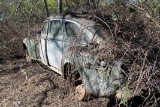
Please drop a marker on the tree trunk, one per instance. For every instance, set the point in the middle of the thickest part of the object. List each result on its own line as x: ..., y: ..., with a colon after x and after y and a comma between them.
x: 46, y: 6
x: 77, y: 2
x: 59, y: 6
x: 158, y: 2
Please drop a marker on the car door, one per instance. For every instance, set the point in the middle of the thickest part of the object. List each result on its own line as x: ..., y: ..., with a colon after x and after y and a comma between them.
x: 54, y: 45
x: 72, y: 30
x: 42, y: 43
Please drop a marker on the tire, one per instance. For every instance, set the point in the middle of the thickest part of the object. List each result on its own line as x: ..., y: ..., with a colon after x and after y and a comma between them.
x: 74, y: 80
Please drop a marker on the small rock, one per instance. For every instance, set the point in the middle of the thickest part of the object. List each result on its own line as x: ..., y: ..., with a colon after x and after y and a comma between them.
x: 119, y: 94
x: 1, y: 67
x: 24, y: 73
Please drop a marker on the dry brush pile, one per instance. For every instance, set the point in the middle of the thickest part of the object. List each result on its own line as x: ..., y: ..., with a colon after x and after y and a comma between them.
x: 134, y: 39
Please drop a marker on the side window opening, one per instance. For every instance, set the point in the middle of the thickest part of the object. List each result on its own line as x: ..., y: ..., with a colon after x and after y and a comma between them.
x: 56, y: 27
x: 72, y: 30
x: 89, y: 33
x: 44, y: 28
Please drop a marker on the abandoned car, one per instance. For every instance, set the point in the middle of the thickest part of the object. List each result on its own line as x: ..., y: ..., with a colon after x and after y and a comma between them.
x: 64, y: 44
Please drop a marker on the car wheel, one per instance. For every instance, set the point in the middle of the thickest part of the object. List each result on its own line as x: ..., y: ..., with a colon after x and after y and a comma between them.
x: 72, y: 76
x: 80, y: 92
x: 28, y: 58
x: 75, y: 80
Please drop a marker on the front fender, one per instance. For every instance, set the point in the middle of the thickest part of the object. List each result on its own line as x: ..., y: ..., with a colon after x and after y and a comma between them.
x: 31, y: 47
x: 101, y: 81
x: 98, y: 80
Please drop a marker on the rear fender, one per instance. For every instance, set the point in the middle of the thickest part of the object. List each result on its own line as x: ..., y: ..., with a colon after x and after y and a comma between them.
x: 31, y: 47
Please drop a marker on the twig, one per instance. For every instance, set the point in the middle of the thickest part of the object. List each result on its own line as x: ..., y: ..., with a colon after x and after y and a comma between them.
x: 19, y: 5
x: 147, y: 15
x: 141, y: 73
x: 105, y: 24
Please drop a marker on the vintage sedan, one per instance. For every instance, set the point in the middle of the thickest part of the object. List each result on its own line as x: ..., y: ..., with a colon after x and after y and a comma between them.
x: 64, y: 44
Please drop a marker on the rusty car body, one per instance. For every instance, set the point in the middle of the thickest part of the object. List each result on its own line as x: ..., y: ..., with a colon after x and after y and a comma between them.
x: 62, y: 45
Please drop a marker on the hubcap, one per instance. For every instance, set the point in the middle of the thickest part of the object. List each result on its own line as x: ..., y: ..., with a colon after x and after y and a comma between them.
x: 80, y: 92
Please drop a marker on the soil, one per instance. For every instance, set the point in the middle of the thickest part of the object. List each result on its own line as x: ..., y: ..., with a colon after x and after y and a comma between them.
x: 24, y: 84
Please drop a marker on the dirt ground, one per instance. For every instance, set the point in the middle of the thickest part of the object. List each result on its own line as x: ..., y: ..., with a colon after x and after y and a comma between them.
x: 23, y: 84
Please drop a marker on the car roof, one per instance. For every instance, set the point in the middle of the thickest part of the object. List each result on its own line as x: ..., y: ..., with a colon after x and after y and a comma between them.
x: 82, y: 21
